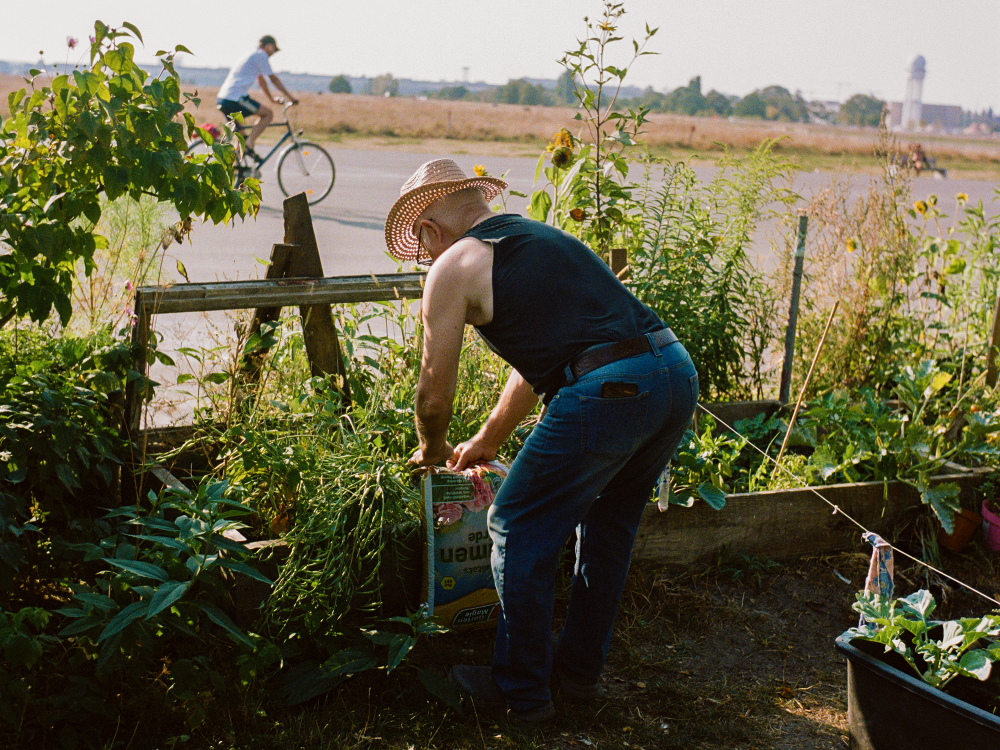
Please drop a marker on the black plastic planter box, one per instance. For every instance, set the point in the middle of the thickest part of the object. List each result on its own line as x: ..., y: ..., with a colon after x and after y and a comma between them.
x: 888, y: 709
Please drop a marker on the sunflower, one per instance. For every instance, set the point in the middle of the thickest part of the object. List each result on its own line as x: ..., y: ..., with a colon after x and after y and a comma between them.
x: 562, y: 139
x: 920, y: 207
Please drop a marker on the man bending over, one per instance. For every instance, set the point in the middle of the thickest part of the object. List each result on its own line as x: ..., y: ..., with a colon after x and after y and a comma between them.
x: 619, y: 388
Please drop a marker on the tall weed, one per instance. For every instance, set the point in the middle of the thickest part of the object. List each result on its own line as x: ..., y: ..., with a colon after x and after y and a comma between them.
x: 693, y: 268
x: 911, y: 285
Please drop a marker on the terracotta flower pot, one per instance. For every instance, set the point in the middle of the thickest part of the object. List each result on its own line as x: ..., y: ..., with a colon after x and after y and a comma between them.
x: 966, y: 523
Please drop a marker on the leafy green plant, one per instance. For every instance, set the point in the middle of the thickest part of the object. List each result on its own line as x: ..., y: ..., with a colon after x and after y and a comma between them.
x: 702, y: 467
x: 384, y: 646
x: 60, y: 448
x: 743, y: 567
x: 136, y: 231
x: 169, y: 580
x: 911, y: 440
x: 938, y: 651
x: 106, y: 131
x: 591, y: 195
x: 23, y: 643
x: 693, y: 268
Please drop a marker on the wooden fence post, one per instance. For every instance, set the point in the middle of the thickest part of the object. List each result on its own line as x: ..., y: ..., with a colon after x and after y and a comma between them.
x: 281, y: 257
x: 991, y: 354
x: 619, y: 262
x: 322, y: 343
x: 793, y: 310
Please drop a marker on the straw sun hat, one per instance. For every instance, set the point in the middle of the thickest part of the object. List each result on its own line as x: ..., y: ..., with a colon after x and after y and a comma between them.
x: 431, y: 181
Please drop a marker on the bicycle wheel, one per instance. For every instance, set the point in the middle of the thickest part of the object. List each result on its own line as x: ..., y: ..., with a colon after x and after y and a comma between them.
x: 306, y: 168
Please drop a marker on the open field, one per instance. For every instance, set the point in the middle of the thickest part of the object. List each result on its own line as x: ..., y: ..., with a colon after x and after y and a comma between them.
x: 394, y: 122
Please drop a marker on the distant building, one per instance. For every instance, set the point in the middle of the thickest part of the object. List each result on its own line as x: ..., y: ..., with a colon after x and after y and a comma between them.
x: 913, y: 114
x: 932, y: 117
x: 910, y: 116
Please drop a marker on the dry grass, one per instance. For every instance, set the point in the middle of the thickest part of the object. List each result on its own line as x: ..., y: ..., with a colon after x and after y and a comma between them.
x: 339, y: 115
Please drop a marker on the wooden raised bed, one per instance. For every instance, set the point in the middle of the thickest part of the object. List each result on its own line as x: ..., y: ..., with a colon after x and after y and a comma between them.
x: 783, y: 524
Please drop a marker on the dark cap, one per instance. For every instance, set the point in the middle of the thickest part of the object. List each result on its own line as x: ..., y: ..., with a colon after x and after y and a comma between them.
x: 268, y: 39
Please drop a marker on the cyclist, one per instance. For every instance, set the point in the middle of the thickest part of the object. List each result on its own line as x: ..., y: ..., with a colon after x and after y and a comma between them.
x: 234, y: 95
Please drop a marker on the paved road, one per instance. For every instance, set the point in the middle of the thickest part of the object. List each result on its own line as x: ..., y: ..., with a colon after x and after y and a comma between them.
x: 349, y: 222
x: 349, y: 226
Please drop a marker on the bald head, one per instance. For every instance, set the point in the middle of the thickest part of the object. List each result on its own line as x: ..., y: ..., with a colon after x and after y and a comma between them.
x: 457, y: 211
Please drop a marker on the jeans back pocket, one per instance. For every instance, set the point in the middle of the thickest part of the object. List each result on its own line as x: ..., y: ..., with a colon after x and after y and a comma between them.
x: 614, y: 426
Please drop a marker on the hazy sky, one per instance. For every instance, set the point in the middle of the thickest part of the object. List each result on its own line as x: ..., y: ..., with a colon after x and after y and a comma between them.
x: 826, y: 50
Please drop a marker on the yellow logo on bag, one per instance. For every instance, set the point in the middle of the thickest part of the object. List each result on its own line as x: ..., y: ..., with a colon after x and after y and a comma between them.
x: 448, y: 583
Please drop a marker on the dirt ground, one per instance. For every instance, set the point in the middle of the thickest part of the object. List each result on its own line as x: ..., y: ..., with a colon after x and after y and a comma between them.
x: 738, y: 657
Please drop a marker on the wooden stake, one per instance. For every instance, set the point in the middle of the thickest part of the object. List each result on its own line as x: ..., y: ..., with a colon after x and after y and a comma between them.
x: 802, y: 393
x: 991, y: 353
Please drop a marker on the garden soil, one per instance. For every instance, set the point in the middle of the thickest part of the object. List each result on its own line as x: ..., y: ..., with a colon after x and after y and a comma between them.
x: 738, y: 656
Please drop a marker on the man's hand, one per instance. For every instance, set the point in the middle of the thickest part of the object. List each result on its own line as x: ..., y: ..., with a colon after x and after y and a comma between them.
x: 470, y: 452
x: 419, y: 458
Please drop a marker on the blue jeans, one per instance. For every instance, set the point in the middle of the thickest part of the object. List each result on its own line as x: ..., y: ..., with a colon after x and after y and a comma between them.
x: 589, y: 466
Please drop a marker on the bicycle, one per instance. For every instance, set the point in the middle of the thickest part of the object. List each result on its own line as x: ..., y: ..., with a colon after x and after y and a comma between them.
x: 303, y: 166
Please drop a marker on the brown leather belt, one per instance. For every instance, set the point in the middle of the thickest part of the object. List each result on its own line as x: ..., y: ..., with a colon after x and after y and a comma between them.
x: 604, y: 354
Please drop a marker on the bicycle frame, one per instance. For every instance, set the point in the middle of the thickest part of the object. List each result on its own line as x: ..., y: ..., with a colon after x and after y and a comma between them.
x: 289, y: 135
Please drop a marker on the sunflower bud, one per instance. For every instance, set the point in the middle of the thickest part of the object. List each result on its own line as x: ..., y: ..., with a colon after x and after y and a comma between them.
x: 562, y: 156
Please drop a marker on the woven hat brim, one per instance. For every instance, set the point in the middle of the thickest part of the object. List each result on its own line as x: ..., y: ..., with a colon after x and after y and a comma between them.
x: 399, y: 237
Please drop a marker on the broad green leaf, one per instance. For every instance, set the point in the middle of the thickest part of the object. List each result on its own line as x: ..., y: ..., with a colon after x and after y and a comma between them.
x: 140, y: 568
x: 133, y: 29
x: 240, y: 567
x: 712, y: 495
x: 79, y: 626
x: 956, y: 265
x: 976, y: 664
x: 541, y: 204
x: 98, y: 601
x: 350, y: 661
x: 166, y: 594
x: 221, y: 619
x: 22, y: 651
x: 399, y: 647
x: 123, y: 619
x: 438, y: 686
x: 939, y: 381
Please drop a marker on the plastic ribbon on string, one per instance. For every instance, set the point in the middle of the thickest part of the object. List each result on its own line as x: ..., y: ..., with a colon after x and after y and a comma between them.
x: 880, y: 569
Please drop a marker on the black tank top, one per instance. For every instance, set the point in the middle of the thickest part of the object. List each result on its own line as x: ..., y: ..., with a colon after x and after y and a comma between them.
x: 552, y: 298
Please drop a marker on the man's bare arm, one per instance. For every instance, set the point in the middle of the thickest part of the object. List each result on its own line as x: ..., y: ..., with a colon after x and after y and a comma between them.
x: 515, y: 403
x: 444, y: 313
x: 281, y: 87
x: 262, y: 82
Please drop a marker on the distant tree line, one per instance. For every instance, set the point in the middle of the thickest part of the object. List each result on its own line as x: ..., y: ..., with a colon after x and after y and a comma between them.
x: 771, y: 103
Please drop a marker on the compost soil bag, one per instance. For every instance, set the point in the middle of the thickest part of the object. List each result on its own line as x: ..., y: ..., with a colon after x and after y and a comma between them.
x: 457, y: 585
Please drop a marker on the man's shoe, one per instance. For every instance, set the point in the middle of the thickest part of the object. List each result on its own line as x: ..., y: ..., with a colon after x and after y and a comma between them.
x: 477, y: 683
x: 580, y: 691
x: 249, y: 152
x: 571, y: 689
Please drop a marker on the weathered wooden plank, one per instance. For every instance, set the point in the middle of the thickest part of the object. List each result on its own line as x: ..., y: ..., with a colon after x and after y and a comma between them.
x: 780, y: 524
x: 239, y: 295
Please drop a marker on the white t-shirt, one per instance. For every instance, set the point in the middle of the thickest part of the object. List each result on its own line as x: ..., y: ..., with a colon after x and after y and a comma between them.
x: 243, y: 75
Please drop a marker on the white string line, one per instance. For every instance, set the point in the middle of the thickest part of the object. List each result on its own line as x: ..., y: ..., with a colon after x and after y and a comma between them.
x: 837, y: 509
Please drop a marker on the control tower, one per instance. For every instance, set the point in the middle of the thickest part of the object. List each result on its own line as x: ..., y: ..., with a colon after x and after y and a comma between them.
x: 910, y: 119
